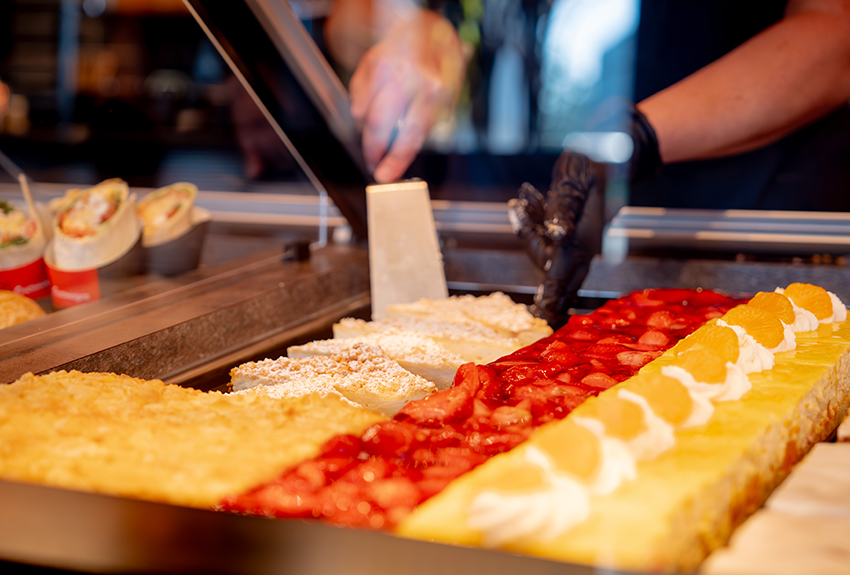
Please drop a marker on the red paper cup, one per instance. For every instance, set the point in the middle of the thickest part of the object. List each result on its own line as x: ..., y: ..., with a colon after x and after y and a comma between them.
x: 29, y: 280
x: 72, y: 288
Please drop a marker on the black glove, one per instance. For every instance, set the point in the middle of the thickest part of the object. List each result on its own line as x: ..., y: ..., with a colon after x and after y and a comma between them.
x: 563, y: 230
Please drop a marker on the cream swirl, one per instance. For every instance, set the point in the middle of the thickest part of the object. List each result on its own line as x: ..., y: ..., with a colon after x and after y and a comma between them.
x: 658, y: 436
x: 734, y: 387
x: 839, y: 310
x: 618, y: 462
x: 702, y: 411
x: 789, y: 340
x: 538, y: 515
x: 752, y: 356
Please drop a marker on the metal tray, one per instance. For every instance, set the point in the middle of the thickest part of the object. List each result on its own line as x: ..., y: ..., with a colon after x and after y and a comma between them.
x: 85, y: 532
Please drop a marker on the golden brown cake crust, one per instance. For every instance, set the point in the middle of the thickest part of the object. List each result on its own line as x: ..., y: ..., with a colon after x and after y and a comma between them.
x: 143, y: 439
x: 16, y: 308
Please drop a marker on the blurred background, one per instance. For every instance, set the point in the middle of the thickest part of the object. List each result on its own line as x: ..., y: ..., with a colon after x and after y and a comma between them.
x: 133, y: 89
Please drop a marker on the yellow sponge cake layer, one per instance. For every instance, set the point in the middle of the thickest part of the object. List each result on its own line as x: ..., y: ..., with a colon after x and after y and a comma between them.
x: 129, y: 437
x: 686, y: 501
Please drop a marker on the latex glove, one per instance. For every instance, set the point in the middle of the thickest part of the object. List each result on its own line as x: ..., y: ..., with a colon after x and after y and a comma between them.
x: 563, y: 230
x: 401, y: 87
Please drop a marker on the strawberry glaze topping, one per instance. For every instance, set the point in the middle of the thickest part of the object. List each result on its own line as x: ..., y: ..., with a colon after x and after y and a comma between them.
x: 377, y: 478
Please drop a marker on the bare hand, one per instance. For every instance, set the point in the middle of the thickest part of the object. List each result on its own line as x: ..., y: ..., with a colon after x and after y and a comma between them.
x: 402, y: 86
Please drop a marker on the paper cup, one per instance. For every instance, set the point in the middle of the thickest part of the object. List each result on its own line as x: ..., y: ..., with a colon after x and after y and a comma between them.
x: 70, y: 287
x: 182, y: 253
x: 29, y: 279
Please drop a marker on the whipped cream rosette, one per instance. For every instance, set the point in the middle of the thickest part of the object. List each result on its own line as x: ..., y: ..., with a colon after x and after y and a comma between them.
x: 167, y: 213
x: 94, y: 226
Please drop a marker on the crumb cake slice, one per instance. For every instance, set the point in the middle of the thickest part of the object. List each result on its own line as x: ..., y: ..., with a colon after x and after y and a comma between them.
x: 471, y: 341
x: 129, y: 437
x: 417, y: 354
x: 362, y: 375
x: 496, y: 311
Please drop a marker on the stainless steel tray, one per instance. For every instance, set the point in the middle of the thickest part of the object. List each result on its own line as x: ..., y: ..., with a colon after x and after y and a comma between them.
x: 97, y: 533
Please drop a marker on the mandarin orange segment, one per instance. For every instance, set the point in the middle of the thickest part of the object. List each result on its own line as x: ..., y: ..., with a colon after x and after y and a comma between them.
x: 703, y: 363
x: 762, y: 326
x: 622, y: 419
x: 522, y: 479
x: 667, y: 397
x: 775, y: 303
x: 573, y: 448
x: 811, y: 297
x: 719, y: 338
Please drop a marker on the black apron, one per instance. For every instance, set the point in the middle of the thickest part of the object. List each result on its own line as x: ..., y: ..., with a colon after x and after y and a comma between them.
x: 807, y: 170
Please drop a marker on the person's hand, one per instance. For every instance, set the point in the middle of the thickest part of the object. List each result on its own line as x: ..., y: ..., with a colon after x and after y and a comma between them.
x: 562, y: 230
x: 402, y: 87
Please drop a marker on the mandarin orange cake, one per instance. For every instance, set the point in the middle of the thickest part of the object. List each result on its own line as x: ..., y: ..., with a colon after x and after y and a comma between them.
x: 604, y: 444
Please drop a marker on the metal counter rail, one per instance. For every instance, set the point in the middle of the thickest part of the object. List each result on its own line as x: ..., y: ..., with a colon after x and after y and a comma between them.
x: 162, y: 329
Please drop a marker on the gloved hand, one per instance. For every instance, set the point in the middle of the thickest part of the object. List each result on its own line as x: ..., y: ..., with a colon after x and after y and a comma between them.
x: 563, y: 230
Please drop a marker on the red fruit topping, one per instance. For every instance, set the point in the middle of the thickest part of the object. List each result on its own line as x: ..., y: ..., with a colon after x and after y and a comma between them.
x: 637, y: 358
x: 582, y: 335
x: 654, y: 338
x: 660, y: 319
x: 600, y: 380
x: 376, y: 479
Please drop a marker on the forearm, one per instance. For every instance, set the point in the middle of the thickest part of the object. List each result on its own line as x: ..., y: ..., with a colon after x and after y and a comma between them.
x: 784, y: 78
x: 354, y: 26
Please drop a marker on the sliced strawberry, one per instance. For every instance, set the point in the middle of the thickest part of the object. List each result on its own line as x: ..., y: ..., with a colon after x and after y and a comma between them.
x: 599, y: 366
x: 660, y: 319
x: 646, y: 298
x: 509, y: 415
x: 637, y: 359
x: 581, y: 320
x: 444, y: 406
x: 368, y: 471
x: 582, y: 335
x: 311, y: 472
x: 393, y: 492
x: 389, y: 438
x: 653, y: 337
x: 599, y: 380
x: 603, y: 350
x: 618, y: 338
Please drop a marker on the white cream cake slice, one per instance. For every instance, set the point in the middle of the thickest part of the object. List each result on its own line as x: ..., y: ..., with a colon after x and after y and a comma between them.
x: 471, y: 341
x: 362, y: 375
x: 496, y: 311
x: 417, y: 354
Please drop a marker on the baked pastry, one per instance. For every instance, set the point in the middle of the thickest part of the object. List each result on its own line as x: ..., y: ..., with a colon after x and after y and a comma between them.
x: 16, y: 227
x: 361, y: 375
x: 16, y: 308
x: 166, y: 213
x: 665, y: 481
x: 496, y: 311
x: 93, y: 226
x: 142, y: 439
x: 417, y: 354
x: 471, y: 341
